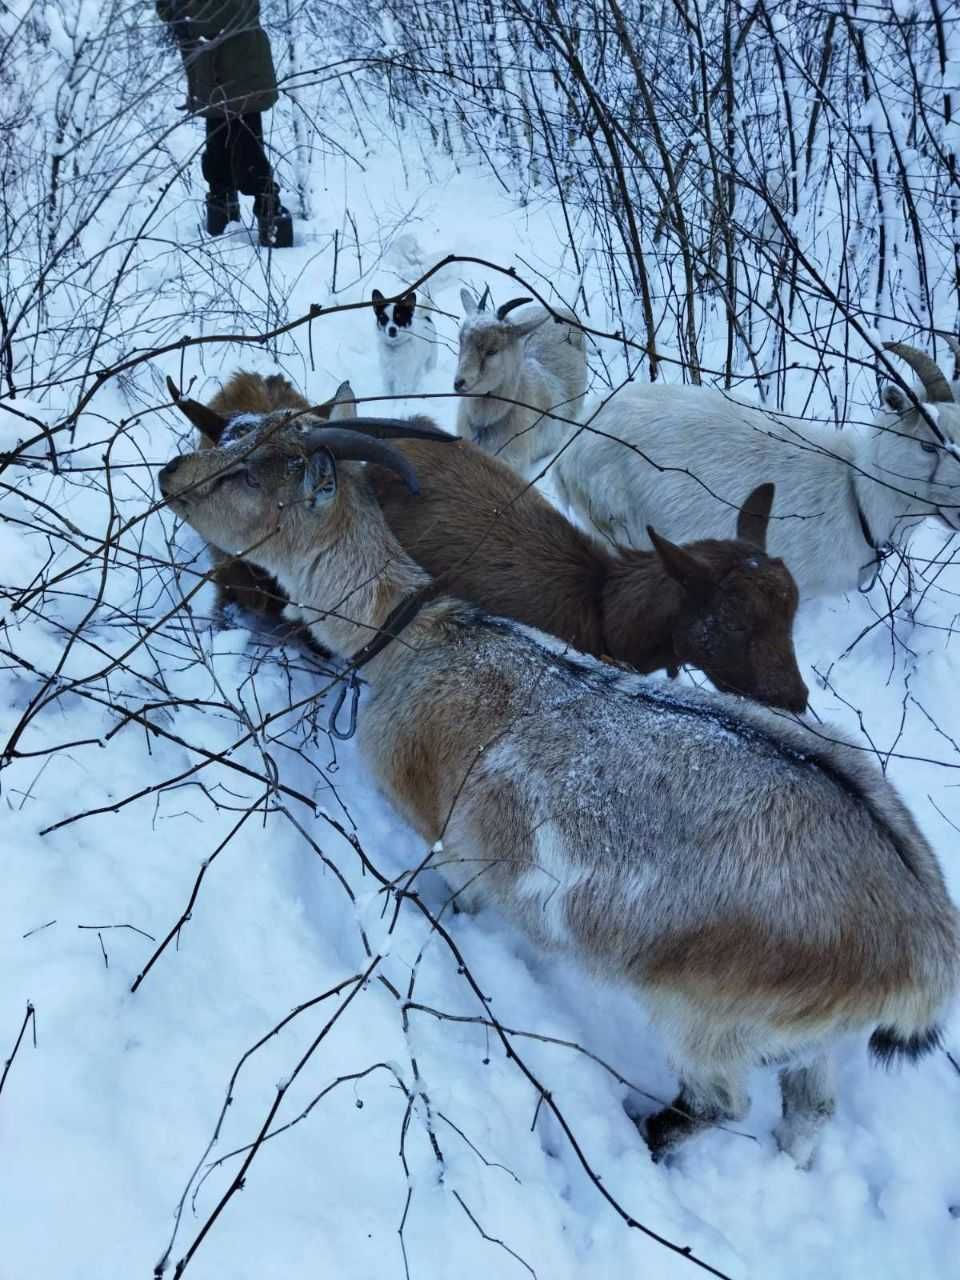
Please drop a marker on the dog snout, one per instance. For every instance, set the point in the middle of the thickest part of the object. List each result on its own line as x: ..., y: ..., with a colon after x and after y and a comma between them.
x: 392, y: 331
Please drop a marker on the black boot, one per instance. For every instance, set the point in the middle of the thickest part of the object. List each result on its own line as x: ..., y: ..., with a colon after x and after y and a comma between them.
x: 274, y: 221
x: 222, y: 207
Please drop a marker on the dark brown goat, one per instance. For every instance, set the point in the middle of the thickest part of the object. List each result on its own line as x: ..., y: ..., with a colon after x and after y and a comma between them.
x: 721, y: 605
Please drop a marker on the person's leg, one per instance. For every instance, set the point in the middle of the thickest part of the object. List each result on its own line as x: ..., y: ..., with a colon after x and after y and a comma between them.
x: 254, y: 177
x: 215, y: 164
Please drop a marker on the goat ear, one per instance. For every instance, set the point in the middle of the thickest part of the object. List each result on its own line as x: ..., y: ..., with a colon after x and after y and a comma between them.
x: 682, y: 565
x: 754, y: 516
x: 319, y: 478
x: 206, y: 420
x: 895, y: 398
x: 522, y: 328
x: 468, y: 302
x: 343, y: 405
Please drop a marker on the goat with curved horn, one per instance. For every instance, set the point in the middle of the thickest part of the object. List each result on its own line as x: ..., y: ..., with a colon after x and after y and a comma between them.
x: 935, y: 385
x: 761, y: 888
x: 504, y: 310
x: 522, y: 380
x: 843, y: 498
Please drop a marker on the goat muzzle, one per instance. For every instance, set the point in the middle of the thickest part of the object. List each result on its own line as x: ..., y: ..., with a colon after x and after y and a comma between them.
x: 166, y: 473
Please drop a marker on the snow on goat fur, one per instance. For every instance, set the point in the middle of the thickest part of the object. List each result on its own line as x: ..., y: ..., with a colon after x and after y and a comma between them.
x: 535, y: 360
x: 611, y: 819
x: 704, y: 447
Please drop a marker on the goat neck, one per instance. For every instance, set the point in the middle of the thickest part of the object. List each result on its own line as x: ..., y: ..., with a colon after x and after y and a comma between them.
x: 348, y: 585
x: 639, y: 604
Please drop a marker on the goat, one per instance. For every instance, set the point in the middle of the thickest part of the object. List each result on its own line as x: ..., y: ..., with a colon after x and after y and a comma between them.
x: 845, y: 497
x: 246, y: 396
x: 763, y: 888
x: 723, y: 606
x: 540, y: 365
x: 488, y: 537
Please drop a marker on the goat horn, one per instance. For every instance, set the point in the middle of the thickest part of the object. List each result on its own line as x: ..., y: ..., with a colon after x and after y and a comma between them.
x: 352, y: 446
x: 202, y: 416
x: 484, y: 297
x: 507, y: 307
x: 935, y: 384
x: 400, y: 429
x: 954, y: 346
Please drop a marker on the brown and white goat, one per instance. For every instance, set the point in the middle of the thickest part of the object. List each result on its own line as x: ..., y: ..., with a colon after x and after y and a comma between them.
x: 721, y: 605
x: 245, y: 397
x: 764, y: 889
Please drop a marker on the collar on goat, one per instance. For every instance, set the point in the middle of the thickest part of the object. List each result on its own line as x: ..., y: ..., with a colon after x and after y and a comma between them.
x: 870, y: 571
x: 396, y: 621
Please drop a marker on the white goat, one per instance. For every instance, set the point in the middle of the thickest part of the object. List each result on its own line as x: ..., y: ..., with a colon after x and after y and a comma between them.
x: 537, y: 361
x: 764, y: 888
x: 677, y: 457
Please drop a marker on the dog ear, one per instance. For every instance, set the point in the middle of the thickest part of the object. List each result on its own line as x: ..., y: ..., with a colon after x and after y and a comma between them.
x: 378, y: 302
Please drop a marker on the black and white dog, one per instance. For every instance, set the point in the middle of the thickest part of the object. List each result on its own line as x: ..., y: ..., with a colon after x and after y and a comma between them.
x: 407, y: 341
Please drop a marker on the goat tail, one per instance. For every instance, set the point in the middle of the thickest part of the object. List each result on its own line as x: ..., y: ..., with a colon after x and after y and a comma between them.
x: 908, y: 1027
x: 889, y: 1045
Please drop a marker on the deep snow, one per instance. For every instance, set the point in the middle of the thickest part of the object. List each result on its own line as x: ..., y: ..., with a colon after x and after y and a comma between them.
x: 103, y: 1122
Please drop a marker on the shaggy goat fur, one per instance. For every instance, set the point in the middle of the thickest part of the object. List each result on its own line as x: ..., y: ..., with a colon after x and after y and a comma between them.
x: 762, y: 887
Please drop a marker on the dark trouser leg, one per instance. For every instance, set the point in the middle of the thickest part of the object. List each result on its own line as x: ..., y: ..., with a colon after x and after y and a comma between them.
x: 215, y: 161
x: 249, y: 164
x: 254, y: 177
x: 217, y: 168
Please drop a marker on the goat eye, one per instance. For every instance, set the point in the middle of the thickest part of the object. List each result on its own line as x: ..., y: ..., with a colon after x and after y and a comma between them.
x: 251, y: 480
x: 928, y: 448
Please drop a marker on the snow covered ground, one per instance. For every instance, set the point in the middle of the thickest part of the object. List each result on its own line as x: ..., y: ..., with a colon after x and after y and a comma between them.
x: 417, y: 1146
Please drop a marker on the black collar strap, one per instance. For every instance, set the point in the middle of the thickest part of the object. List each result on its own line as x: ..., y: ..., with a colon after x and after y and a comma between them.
x: 864, y: 525
x: 870, y: 571
x: 397, y: 620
